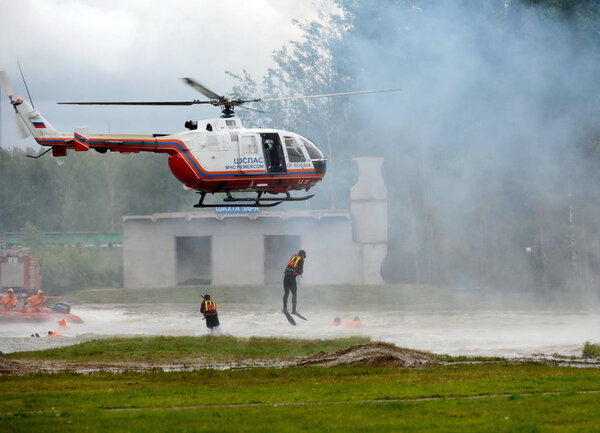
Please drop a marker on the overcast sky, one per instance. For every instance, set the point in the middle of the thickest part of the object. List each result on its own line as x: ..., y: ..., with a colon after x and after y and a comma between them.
x: 135, y: 50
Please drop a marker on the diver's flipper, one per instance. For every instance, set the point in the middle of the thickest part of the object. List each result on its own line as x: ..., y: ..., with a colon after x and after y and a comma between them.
x: 289, y: 317
x: 295, y: 313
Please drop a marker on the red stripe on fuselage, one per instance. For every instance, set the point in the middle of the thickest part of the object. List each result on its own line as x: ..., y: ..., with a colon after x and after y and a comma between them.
x: 167, y: 146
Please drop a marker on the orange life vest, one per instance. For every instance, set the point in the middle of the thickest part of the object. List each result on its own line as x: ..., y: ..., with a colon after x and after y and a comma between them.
x: 293, y: 264
x: 35, y: 301
x: 210, y: 307
x: 354, y: 324
x: 9, y: 301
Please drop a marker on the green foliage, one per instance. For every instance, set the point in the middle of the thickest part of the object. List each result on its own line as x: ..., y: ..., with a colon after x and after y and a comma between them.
x: 65, y: 269
x: 591, y: 350
x: 33, y: 237
x: 85, y: 191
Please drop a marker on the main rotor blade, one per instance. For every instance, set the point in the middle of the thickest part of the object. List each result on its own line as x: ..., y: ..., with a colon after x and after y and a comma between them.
x: 137, y: 103
x: 252, y: 109
x: 326, y: 95
x: 201, y: 88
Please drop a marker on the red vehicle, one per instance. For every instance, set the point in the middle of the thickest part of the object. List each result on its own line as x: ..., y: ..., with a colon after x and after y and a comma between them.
x: 20, y: 270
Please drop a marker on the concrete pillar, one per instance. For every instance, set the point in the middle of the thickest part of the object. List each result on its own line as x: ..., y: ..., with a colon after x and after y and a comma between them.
x: 369, y: 217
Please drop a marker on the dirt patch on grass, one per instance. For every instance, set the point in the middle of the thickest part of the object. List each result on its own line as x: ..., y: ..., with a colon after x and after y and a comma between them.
x: 372, y: 354
x: 8, y: 366
x: 27, y: 366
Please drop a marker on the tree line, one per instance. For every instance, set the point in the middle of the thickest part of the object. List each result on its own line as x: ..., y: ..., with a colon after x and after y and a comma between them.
x: 85, y: 191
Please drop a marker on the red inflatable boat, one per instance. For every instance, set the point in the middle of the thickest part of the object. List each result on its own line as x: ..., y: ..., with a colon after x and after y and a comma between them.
x: 60, y: 311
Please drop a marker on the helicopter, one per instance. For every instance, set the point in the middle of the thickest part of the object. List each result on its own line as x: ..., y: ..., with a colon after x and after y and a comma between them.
x: 211, y: 156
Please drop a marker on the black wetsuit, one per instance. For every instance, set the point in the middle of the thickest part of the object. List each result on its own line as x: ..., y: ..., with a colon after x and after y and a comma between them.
x: 294, y: 268
x: 209, y: 309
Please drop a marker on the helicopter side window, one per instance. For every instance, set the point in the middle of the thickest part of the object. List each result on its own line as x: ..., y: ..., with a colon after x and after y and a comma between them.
x: 313, y: 151
x: 294, y: 150
x: 249, y: 144
x: 212, y: 140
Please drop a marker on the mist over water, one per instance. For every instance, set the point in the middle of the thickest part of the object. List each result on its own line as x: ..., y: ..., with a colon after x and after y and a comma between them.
x: 455, y: 332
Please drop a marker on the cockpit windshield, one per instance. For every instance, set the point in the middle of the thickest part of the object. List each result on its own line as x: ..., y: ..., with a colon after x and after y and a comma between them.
x: 313, y: 151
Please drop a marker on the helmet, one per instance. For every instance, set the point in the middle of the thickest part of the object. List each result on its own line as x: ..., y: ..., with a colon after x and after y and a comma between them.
x: 10, y: 290
x: 40, y: 292
x: 302, y: 253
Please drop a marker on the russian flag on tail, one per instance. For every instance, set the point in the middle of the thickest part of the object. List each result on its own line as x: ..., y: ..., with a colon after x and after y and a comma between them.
x: 39, y: 125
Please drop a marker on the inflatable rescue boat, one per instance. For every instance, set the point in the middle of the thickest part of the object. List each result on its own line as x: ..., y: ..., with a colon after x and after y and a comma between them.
x: 61, y: 310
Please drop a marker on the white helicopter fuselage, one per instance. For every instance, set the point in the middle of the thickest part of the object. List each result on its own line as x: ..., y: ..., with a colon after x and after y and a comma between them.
x: 215, y: 155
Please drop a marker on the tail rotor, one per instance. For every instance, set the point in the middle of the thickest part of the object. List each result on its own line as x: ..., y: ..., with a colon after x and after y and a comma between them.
x: 8, y: 90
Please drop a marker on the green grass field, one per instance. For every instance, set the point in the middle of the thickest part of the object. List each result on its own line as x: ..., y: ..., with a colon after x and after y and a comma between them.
x: 161, y: 349
x: 384, y: 297
x: 497, y: 396
x: 396, y: 295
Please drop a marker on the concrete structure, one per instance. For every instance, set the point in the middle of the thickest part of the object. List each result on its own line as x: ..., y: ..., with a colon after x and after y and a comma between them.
x: 251, y: 248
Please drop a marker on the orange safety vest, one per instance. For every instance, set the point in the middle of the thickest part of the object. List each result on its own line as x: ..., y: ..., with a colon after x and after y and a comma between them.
x: 35, y: 301
x: 9, y: 301
x: 293, y: 263
x: 354, y: 324
x: 210, y: 307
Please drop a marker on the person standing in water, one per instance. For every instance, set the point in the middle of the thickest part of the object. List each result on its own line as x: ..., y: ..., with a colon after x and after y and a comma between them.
x: 208, y: 308
x: 294, y: 268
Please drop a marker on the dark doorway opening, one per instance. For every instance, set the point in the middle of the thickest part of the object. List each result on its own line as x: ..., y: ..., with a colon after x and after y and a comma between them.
x: 194, y: 260
x: 273, y: 151
x: 278, y: 250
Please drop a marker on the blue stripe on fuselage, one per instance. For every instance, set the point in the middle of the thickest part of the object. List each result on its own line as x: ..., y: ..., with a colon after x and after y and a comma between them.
x: 185, y: 153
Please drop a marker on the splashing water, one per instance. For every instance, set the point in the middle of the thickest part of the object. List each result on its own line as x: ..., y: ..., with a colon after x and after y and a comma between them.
x: 485, y: 332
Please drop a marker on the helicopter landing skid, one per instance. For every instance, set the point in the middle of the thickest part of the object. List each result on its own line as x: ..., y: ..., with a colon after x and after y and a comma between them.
x: 258, y: 201
x: 233, y: 201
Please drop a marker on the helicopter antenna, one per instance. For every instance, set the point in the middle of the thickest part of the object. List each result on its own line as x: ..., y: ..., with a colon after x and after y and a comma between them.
x: 26, y: 88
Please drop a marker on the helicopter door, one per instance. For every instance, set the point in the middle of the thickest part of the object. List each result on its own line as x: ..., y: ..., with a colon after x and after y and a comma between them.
x: 273, y: 151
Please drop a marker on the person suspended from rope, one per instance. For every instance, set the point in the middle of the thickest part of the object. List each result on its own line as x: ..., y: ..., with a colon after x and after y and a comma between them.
x: 208, y: 308
x: 295, y: 267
